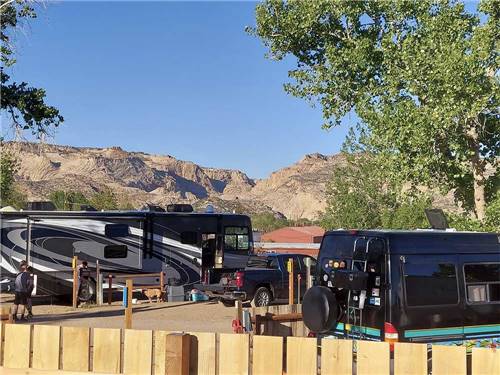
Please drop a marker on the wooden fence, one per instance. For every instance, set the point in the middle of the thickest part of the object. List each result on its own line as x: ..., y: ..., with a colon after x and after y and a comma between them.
x: 279, y: 328
x: 127, y: 351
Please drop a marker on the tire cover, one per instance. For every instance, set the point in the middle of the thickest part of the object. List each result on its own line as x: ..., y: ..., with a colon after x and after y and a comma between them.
x: 319, y: 309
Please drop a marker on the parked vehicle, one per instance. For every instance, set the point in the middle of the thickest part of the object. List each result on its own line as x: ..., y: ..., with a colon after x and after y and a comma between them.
x: 183, y: 244
x: 414, y: 286
x: 265, y: 279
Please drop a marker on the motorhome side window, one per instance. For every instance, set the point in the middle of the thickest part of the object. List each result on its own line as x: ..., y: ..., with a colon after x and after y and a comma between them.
x: 428, y: 284
x: 115, y: 251
x: 236, y: 238
x: 482, y: 282
x: 116, y: 230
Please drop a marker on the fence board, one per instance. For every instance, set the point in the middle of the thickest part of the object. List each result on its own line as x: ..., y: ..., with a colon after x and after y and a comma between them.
x: 336, y: 357
x: 373, y: 358
x: 2, y: 333
x: 301, y: 356
x: 75, y: 348
x: 17, y: 346
x: 137, y: 351
x: 160, y: 349
x: 202, y: 356
x: 410, y: 359
x: 449, y: 360
x: 267, y: 356
x: 106, y: 356
x: 46, y: 340
x: 233, y: 354
x: 485, y: 361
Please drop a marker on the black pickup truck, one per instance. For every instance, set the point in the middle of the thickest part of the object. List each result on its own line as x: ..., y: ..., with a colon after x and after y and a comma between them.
x: 262, y: 281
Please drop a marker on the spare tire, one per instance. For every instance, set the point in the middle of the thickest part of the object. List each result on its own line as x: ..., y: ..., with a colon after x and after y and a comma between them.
x: 320, y: 309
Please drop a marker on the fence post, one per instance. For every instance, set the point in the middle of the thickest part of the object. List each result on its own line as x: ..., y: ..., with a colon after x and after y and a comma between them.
x: 290, y: 282
x: 110, y: 289
x: 98, y: 282
x: 307, y: 262
x: 128, y: 308
x: 162, y: 283
x: 299, y: 278
x: 177, y: 353
x: 75, y: 282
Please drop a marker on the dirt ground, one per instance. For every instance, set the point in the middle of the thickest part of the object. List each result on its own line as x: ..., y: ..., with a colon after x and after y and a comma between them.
x: 209, y: 316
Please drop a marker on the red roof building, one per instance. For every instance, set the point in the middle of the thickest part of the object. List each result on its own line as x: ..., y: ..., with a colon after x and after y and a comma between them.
x: 301, y: 240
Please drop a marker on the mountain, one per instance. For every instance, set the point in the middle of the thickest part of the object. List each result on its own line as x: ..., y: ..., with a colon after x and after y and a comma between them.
x: 297, y: 191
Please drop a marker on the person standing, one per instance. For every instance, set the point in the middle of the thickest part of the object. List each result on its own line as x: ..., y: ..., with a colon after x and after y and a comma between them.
x: 22, y: 285
x: 29, y: 304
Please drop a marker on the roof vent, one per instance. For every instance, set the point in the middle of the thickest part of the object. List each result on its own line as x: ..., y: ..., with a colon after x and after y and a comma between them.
x: 436, y: 218
x: 179, y: 208
x: 152, y: 208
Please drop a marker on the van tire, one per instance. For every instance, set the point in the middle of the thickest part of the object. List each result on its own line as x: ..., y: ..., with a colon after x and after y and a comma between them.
x: 262, y: 297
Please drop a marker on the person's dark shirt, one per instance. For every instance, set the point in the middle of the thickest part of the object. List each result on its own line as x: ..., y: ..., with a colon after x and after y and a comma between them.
x: 23, y: 282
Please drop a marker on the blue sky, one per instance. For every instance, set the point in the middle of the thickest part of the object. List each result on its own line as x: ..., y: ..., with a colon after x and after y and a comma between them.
x: 182, y: 79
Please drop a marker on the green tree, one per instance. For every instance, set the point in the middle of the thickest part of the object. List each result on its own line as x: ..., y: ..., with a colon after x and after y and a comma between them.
x: 361, y: 195
x: 421, y: 75
x: 68, y: 200
x: 268, y: 221
x: 23, y: 104
x: 104, y: 200
x: 10, y: 195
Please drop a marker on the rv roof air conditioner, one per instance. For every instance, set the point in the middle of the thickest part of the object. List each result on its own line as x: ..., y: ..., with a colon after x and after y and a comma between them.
x: 152, y: 208
x: 179, y: 208
x: 40, y: 206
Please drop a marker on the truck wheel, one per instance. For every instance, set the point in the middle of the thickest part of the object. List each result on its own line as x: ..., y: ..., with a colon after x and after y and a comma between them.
x: 262, y: 297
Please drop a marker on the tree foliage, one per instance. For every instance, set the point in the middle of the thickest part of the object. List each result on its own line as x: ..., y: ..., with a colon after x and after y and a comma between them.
x: 421, y: 75
x: 104, y: 200
x: 269, y: 221
x: 361, y: 196
x: 24, y: 105
x: 10, y: 195
x: 68, y: 200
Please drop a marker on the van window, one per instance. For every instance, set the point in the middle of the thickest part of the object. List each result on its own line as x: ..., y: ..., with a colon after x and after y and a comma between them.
x: 116, y: 230
x: 429, y: 284
x: 482, y: 282
x: 189, y: 238
x: 236, y: 238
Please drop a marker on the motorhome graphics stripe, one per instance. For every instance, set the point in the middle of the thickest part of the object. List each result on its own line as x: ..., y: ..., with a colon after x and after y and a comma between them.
x: 490, y: 328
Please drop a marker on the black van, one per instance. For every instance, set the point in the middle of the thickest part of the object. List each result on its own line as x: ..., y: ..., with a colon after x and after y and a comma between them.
x: 410, y: 286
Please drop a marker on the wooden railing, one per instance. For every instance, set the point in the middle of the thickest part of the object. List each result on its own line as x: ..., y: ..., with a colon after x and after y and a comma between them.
x: 112, y: 351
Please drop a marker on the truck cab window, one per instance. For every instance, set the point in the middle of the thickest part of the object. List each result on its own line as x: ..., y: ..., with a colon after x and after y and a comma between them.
x: 482, y: 282
x: 428, y: 284
x: 236, y: 238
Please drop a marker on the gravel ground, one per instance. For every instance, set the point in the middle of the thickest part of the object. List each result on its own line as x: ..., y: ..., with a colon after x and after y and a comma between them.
x: 209, y: 316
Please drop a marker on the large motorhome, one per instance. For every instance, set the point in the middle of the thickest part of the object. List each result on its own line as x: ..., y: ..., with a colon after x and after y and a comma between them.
x: 184, y: 245
x: 414, y: 286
